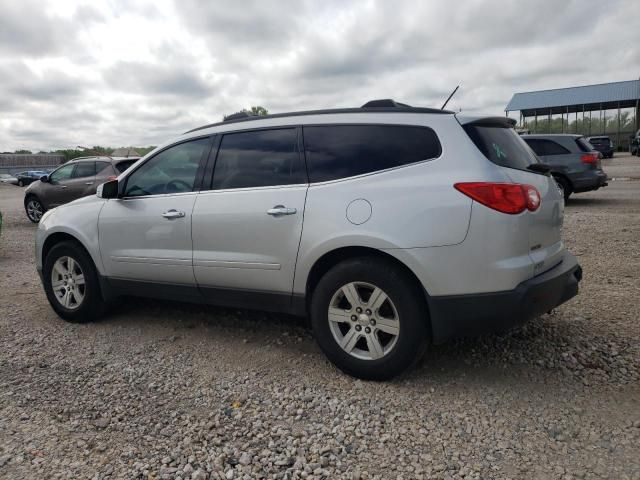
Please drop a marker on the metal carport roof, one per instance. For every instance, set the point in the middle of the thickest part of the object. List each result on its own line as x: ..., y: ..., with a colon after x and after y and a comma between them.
x: 588, y: 97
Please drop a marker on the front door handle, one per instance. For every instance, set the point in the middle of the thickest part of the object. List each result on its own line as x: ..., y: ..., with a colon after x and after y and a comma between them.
x: 88, y: 183
x: 63, y: 186
x: 280, y: 210
x: 171, y: 214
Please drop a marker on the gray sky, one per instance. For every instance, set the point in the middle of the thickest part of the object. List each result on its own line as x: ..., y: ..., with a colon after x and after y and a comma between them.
x: 124, y: 72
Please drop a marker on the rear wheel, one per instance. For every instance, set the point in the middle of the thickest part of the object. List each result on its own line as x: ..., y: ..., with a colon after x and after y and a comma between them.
x: 564, y: 186
x: 34, y: 208
x: 370, y: 318
x: 71, y: 283
x: 20, y: 183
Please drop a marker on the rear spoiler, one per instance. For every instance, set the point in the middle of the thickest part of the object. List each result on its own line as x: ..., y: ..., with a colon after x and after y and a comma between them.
x: 502, y: 122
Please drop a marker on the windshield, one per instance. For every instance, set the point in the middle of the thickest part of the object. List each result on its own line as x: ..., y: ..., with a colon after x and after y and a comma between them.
x: 599, y: 141
x: 503, y: 146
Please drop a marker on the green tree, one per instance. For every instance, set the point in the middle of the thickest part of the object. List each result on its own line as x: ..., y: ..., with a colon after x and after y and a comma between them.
x: 259, y: 110
x: 23, y: 151
x: 255, y: 110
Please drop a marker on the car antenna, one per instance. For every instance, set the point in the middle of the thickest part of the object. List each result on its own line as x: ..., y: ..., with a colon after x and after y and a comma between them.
x: 452, y: 94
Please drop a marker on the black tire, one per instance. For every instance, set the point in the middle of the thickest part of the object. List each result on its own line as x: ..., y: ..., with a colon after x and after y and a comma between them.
x: 565, y: 187
x: 30, y: 211
x: 20, y: 183
x: 92, y: 306
x: 408, y: 299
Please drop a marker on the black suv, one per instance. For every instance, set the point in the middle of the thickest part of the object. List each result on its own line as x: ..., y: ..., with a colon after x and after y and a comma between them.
x: 602, y: 144
x: 634, y: 144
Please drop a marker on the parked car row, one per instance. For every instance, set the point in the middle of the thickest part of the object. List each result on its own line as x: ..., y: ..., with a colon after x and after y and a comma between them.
x: 391, y: 227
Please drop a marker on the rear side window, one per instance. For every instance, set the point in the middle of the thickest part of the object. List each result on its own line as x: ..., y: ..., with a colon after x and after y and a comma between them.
x: 340, y: 151
x: 122, y: 166
x: 584, y: 145
x: 100, y: 166
x: 84, y: 169
x: 259, y: 158
x: 545, y: 147
x: 503, y: 146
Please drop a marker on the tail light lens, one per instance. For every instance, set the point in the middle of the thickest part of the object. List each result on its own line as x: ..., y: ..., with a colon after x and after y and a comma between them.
x: 511, y: 198
x: 112, y: 177
x: 590, y: 158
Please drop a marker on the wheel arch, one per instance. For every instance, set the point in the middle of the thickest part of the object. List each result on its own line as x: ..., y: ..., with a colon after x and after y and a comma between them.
x: 564, y: 177
x: 329, y: 259
x: 59, y: 237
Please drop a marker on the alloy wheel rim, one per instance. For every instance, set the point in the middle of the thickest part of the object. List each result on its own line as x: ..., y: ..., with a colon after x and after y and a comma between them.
x: 363, y: 321
x: 68, y: 283
x: 34, y: 210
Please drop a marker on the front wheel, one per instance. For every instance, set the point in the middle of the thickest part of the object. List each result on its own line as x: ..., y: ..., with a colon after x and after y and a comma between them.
x: 370, y: 318
x: 71, y: 283
x: 34, y: 209
x: 20, y: 183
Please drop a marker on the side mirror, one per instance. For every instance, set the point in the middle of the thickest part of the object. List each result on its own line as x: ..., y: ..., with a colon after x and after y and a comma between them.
x: 44, y: 178
x: 108, y: 189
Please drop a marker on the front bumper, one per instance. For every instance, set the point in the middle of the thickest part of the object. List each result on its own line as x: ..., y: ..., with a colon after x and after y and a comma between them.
x: 469, y: 315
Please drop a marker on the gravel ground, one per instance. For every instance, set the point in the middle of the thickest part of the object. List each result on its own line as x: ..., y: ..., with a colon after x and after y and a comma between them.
x: 166, y: 390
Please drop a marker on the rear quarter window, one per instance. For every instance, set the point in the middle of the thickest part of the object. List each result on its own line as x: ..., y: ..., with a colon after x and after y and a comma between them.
x: 502, y: 146
x: 583, y: 145
x: 341, y: 151
x: 122, y: 166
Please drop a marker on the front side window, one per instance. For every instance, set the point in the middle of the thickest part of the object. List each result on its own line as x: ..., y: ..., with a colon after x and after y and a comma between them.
x: 63, y: 173
x: 340, y: 151
x: 173, y: 170
x: 84, y: 169
x: 258, y: 158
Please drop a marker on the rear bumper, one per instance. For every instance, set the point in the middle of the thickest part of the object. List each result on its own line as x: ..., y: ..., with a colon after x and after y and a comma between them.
x: 469, y: 315
x: 591, y: 181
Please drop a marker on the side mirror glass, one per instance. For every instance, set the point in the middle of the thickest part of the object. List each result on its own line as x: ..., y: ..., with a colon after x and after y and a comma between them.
x: 108, y: 189
x: 44, y: 178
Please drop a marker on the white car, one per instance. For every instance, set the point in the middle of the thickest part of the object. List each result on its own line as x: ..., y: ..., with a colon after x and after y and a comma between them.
x: 389, y: 226
x: 8, y: 178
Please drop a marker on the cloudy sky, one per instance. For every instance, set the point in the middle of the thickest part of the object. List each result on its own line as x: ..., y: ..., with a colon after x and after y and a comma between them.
x: 125, y: 72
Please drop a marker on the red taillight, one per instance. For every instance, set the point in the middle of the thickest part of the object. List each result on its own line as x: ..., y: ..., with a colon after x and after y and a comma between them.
x: 590, y: 158
x: 112, y: 177
x: 511, y: 198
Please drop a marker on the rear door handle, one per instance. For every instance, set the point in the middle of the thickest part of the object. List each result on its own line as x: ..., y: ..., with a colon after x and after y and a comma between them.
x: 280, y: 210
x: 170, y: 214
x: 88, y: 183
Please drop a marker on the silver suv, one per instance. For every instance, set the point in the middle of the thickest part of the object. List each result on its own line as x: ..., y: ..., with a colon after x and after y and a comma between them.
x: 389, y: 226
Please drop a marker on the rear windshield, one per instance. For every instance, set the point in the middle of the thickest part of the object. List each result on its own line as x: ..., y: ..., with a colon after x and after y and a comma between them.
x: 503, y: 146
x: 599, y: 141
x: 584, y: 145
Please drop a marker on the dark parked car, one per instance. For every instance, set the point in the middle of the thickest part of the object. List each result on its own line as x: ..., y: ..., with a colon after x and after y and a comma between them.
x: 602, y: 144
x: 29, y: 176
x: 574, y: 163
x: 634, y: 144
x: 75, y: 179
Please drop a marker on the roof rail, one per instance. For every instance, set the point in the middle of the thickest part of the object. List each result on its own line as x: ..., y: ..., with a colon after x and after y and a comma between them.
x: 389, y: 106
x: 386, y: 102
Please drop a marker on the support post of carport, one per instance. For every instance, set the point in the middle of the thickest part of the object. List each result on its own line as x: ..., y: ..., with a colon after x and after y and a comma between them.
x: 618, y: 134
